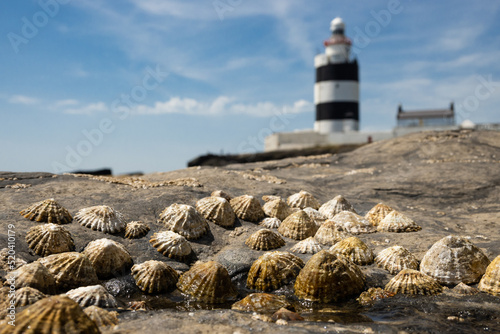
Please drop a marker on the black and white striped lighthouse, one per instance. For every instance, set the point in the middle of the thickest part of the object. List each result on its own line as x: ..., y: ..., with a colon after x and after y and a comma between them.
x: 336, y: 91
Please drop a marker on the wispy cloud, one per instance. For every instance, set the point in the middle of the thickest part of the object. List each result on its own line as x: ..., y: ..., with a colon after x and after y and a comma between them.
x: 88, y: 109
x: 23, y: 99
x: 222, y: 105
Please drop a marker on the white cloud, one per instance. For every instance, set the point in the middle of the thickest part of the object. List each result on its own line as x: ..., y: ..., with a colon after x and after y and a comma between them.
x: 23, y: 99
x: 88, y: 109
x: 220, y: 106
x: 65, y: 103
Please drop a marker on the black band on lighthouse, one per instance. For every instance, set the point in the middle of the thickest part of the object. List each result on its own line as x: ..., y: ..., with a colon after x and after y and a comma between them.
x: 337, y: 111
x: 341, y: 71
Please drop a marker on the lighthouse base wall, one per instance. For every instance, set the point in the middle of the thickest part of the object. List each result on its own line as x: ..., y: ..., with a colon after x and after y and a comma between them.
x: 329, y: 126
x: 310, y: 138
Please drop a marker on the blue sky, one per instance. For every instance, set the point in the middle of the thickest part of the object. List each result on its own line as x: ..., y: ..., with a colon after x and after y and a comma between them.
x: 146, y: 85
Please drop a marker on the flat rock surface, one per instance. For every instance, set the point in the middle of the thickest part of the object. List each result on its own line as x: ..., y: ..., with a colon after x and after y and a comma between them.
x: 447, y: 182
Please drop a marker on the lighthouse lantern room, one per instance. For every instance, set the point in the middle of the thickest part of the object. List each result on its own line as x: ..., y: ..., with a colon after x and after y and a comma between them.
x: 336, y: 91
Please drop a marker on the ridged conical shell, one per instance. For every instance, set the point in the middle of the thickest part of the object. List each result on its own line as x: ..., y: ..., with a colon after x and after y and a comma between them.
x: 101, y: 218
x: 53, y: 315
x: 328, y: 234
x: 298, y: 226
x: 490, y: 282
x: 377, y: 213
x: 277, y: 208
x: 334, y: 206
x: 217, y: 210
x: 396, y: 258
x: 47, y: 211
x: 307, y: 246
x: 92, y: 295
x: 316, y: 216
x: 49, y: 239
x: 101, y: 317
x: 355, y: 250
x: 248, y: 208
x: 273, y: 270
x: 367, y: 298
x: 328, y: 277
x: 353, y: 223
x: 465, y: 290
x: 395, y: 221
x: 70, y: 269
x: 171, y: 244
x: 261, y: 303
x: 221, y: 193
x: 270, y: 222
x: 109, y: 258
x: 184, y: 220
x: 413, y: 282
x: 454, y: 259
x: 34, y: 275
x: 154, y: 276
x: 207, y: 282
x: 302, y: 200
x: 136, y: 229
x: 6, y: 262
x: 27, y: 296
x: 265, y: 240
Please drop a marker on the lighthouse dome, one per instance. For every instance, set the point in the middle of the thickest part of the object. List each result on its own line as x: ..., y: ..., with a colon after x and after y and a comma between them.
x: 337, y: 25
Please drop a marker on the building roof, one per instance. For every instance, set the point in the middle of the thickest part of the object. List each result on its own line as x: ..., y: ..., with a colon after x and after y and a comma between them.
x: 430, y: 113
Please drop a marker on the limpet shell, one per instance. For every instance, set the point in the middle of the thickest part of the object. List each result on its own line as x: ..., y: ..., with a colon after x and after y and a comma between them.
x: 368, y: 298
x: 221, y: 193
x: 216, y: 209
x: 184, y: 220
x: 277, y: 208
x: 101, y: 317
x: 302, y: 200
x: 328, y: 277
x: 109, y: 258
x: 27, y: 296
x: 207, y: 282
x: 248, y: 208
x: 306, y: 246
x: 136, y: 229
x: 53, y: 315
x: 284, y: 315
x: 171, y: 244
x: 377, y: 213
x: 264, y: 240
x: 154, y: 276
x: 395, y: 221
x: 34, y: 275
x: 92, y: 295
x: 273, y: 270
x: 47, y: 211
x: 6, y: 260
x: 334, y: 206
x: 396, y: 258
x: 270, y: 222
x: 101, y: 218
x: 70, y: 269
x: 454, y: 259
x: 315, y: 215
x: 298, y: 226
x: 355, y: 250
x: 490, y: 282
x: 465, y: 290
x: 49, y: 239
x: 353, y: 223
x: 328, y: 234
x: 413, y: 282
x: 261, y: 302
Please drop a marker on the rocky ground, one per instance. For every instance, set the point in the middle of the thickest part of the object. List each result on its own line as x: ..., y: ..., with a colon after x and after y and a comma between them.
x: 448, y: 182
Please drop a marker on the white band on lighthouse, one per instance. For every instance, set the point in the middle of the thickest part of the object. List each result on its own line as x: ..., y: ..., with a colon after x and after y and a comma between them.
x: 331, y: 91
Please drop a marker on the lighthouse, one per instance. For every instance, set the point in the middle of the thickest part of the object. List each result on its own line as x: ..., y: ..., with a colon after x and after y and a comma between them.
x: 336, y: 91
